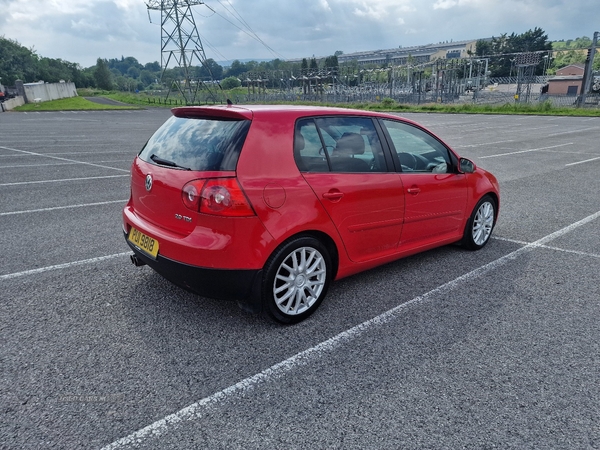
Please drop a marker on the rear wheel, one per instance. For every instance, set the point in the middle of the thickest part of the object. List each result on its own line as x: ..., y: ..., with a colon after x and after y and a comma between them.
x: 296, y: 279
x: 480, y: 225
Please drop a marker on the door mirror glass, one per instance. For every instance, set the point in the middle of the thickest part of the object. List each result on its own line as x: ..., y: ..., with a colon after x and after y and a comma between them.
x: 466, y: 165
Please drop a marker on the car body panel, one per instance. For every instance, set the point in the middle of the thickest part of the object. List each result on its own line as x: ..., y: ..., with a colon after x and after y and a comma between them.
x: 366, y: 208
x: 161, y: 204
x: 435, y: 206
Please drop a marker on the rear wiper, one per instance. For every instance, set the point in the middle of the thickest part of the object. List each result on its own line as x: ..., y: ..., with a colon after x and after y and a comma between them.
x: 166, y: 162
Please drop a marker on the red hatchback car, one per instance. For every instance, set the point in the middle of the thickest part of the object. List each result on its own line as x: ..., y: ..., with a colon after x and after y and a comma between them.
x: 268, y: 204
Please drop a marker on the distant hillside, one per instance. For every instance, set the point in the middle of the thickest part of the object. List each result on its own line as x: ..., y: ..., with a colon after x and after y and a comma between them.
x: 227, y: 64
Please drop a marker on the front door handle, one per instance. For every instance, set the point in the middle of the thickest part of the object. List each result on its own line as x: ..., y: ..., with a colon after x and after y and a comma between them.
x: 413, y: 190
x: 334, y: 196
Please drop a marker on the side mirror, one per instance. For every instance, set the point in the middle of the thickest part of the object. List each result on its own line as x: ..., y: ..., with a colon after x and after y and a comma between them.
x: 466, y: 166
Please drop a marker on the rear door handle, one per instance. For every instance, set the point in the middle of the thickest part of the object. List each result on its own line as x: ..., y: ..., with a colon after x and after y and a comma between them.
x: 413, y: 190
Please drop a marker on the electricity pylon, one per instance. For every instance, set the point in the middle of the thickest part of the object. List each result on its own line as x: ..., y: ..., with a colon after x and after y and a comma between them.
x: 180, y: 43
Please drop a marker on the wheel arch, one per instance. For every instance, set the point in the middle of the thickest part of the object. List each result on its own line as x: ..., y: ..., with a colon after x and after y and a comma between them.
x: 467, y: 240
x: 322, y: 237
x: 496, y: 199
x: 296, y: 303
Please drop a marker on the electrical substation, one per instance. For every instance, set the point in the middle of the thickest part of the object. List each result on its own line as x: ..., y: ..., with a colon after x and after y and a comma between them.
x: 447, y: 72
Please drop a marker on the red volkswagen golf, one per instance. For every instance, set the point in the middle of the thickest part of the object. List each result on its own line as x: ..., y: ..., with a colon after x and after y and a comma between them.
x: 268, y: 204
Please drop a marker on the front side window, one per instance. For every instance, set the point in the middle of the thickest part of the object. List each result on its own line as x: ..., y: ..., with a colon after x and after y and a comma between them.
x: 338, y: 144
x: 197, y: 144
x: 417, y: 150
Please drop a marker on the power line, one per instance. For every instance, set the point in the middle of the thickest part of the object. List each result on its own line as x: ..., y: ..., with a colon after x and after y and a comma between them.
x: 213, y: 48
x: 252, y: 34
x: 243, y: 22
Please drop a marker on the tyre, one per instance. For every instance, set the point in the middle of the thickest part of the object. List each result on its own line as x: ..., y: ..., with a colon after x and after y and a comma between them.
x: 296, y: 279
x: 480, y: 225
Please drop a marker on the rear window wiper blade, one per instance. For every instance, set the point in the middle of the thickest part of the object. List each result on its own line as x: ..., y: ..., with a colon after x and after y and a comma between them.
x: 166, y: 162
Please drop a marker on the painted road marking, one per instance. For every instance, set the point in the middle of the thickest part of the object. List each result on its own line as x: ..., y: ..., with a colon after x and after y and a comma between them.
x: 54, y: 208
x: 582, y: 162
x: 62, y: 266
x: 526, y: 151
x: 196, y: 410
x: 63, y: 159
x: 18, y: 183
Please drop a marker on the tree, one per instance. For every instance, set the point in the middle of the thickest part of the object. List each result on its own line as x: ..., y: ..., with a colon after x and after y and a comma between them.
x: 147, y: 77
x: 20, y: 63
x: 209, y: 70
x: 482, y: 48
x: 102, y: 75
x: 153, y: 66
x: 230, y: 83
x: 236, y: 69
x: 582, y: 42
x: 121, y: 83
x: 251, y: 66
x: 17, y: 62
x: 133, y: 72
x: 332, y: 62
x: 54, y: 70
x: 278, y: 64
x: 501, y: 49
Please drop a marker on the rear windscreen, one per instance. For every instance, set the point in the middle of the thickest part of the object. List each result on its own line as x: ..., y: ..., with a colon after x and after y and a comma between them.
x: 197, y: 144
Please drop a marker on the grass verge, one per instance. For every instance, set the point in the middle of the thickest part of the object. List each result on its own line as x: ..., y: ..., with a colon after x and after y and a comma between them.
x: 388, y: 105
x: 69, y: 104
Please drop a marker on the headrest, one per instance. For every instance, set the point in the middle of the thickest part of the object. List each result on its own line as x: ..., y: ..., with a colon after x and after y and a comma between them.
x: 351, y: 144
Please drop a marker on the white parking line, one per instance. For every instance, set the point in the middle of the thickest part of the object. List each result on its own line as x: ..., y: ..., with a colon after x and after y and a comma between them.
x: 63, y: 153
x: 562, y: 133
x: 582, y: 162
x: 54, y: 208
x: 482, y: 144
x: 20, y: 166
x: 196, y: 410
x: 25, y: 273
x: 526, y: 151
x: 18, y: 183
x: 549, y: 247
x: 63, y: 159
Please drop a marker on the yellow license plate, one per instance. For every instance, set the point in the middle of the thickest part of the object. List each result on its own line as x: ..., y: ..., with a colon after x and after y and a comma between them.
x: 143, y: 242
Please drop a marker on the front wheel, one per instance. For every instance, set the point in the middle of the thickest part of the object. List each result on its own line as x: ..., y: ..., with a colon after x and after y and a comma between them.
x: 296, y: 279
x: 480, y: 225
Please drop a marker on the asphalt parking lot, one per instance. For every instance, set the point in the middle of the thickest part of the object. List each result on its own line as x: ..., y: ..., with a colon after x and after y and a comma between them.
x: 447, y: 349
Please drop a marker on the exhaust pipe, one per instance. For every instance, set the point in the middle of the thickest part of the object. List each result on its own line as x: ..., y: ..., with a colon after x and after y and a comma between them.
x: 136, y: 261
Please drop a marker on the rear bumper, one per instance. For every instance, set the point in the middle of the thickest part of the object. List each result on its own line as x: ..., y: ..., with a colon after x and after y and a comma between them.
x: 244, y: 286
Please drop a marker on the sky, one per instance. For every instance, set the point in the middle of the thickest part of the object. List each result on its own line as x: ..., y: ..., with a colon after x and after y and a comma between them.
x: 81, y: 31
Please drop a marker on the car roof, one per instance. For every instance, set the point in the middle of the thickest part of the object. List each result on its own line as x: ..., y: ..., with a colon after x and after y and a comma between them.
x: 293, y: 112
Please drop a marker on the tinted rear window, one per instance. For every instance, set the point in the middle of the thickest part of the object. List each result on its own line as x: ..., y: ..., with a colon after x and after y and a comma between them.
x: 198, y: 144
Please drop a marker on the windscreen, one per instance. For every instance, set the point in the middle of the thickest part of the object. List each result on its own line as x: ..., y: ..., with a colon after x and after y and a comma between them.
x: 197, y: 144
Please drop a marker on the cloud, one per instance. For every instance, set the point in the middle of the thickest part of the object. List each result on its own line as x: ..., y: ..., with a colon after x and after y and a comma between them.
x: 445, y: 4
x: 83, y: 30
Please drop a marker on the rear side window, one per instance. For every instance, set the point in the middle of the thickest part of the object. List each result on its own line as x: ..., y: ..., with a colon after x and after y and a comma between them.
x: 197, y: 144
x: 338, y: 144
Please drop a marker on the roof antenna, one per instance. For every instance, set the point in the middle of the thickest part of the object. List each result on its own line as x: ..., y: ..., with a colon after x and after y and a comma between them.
x: 229, y: 102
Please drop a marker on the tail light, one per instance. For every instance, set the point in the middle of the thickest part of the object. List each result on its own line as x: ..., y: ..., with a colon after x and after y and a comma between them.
x: 217, y: 196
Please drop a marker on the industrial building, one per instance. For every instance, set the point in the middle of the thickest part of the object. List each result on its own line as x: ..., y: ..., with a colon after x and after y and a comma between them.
x: 418, y: 54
